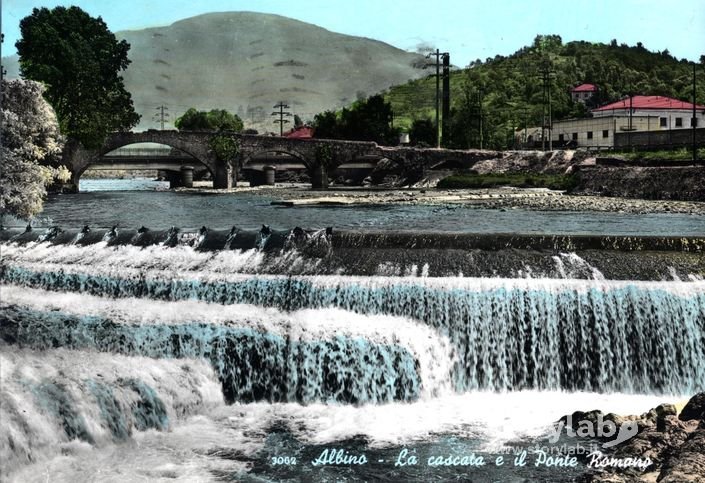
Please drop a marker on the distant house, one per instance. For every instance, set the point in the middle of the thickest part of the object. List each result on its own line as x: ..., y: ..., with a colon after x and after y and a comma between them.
x: 583, y: 92
x: 301, y: 132
x: 648, y: 113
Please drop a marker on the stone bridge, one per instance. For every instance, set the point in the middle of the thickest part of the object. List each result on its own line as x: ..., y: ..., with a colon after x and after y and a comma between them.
x: 319, y: 156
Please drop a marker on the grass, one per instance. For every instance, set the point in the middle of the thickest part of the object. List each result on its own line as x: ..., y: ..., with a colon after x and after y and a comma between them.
x: 519, y: 180
x: 670, y: 155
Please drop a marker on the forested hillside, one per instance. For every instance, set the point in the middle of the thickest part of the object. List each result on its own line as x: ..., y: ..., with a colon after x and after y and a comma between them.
x: 507, y: 92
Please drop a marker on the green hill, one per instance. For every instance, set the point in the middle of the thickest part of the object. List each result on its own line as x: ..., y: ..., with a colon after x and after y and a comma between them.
x: 512, y: 87
x: 247, y: 62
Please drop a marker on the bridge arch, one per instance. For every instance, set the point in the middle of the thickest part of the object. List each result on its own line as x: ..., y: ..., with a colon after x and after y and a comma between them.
x: 250, y: 155
x: 152, y: 160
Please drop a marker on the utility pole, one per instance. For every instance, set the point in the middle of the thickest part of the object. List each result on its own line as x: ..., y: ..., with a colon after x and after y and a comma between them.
x: 694, y: 122
x: 550, y: 116
x: 281, y: 113
x: 631, y: 109
x: 445, y: 130
x: 439, y: 57
x: 161, y: 116
x: 544, y: 76
x: 547, y: 110
x: 479, y: 124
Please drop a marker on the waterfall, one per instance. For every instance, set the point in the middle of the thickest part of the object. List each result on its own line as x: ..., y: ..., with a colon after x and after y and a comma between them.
x: 605, y: 336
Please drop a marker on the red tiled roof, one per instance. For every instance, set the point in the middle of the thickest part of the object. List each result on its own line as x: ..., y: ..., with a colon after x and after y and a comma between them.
x: 649, y: 102
x: 302, y: 132
x: 585, y: 88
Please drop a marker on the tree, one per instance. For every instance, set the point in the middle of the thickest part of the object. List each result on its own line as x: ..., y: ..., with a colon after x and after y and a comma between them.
x: 365, y: 120
x: 327, y: 125
x: 297, y: 121
x: 215, y: 120
x: 79, y: 60
x: 222, y: 120
x: 225, y: 148
x: 30, y: 150
x: 423, y: 132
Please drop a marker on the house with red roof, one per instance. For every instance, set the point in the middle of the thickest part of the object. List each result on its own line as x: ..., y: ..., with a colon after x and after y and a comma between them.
x: 300, y: 132
x: 583, y: 92
x: 671, y: 113
x: 638, y: 113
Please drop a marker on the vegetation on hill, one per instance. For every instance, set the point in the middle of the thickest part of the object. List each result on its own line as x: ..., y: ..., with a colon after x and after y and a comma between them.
x: 506, y: 93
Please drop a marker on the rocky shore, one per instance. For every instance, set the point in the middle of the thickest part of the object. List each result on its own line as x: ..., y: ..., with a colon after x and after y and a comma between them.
x: 673, y: 442
x: 497, y: 198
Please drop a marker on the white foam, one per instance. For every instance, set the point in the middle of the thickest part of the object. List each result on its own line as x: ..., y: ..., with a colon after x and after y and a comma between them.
x: 433, y: 351
x: 31, y: 432
x: 493, y: 419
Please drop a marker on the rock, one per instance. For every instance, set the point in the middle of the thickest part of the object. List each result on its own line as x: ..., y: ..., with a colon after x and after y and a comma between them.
x: 666, y: 410
x: 687, y: 463
x: 695, y: 409
x: 676, y: 446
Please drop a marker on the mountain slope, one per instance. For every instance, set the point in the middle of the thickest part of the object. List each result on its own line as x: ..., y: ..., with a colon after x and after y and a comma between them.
x: 247, y: 62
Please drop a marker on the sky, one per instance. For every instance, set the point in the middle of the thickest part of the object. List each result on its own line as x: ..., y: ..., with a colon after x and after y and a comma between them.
x: 468, y: 29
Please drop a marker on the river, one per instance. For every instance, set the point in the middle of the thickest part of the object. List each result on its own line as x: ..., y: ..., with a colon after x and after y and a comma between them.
x: 368, y: 353
x: 132, y: 203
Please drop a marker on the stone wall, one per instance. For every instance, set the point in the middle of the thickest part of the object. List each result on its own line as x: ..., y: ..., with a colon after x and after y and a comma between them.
x: 660, y: 139
x: 665, y: 183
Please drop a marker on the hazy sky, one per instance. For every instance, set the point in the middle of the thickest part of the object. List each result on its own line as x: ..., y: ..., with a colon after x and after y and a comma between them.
x: 468, y: 29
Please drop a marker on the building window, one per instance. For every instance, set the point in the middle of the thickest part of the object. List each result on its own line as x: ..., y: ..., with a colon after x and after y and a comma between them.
x: 589, y: 135
x: 693, y: 122
x: 663, y: 121
x: 561, y: 138
x: 605, y: 133
x: 679, y: 122
x: 575, y: 136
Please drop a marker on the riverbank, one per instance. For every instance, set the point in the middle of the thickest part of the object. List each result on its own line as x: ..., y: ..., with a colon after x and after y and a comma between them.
x: 494, y: 198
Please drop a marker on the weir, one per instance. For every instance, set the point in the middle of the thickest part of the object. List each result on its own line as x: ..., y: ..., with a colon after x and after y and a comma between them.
x: 328, y: 251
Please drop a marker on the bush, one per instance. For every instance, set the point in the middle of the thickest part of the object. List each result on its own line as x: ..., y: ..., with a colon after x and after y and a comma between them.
x: 520, y: 180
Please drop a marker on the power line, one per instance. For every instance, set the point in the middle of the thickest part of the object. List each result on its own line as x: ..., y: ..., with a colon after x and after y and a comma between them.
x: 439, y: 58
x: 281, y: 121
x: 161, y: 115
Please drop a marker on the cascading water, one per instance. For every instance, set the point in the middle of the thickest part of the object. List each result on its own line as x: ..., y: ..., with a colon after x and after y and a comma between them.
x: 319, y: 323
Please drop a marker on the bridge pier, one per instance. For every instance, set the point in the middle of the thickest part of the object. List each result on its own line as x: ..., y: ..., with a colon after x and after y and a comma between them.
x: 187, y: 176
x: 319, y: 177
x: 223, y: 177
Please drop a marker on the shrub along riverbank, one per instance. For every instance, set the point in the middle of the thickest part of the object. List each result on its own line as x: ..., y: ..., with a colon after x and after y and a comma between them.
x: 519, y: 180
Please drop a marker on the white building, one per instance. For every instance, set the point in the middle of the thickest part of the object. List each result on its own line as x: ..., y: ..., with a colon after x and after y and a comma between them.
x: 648, y: 113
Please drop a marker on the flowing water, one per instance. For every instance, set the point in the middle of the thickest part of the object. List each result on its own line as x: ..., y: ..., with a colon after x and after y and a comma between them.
x: 251, y: 355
